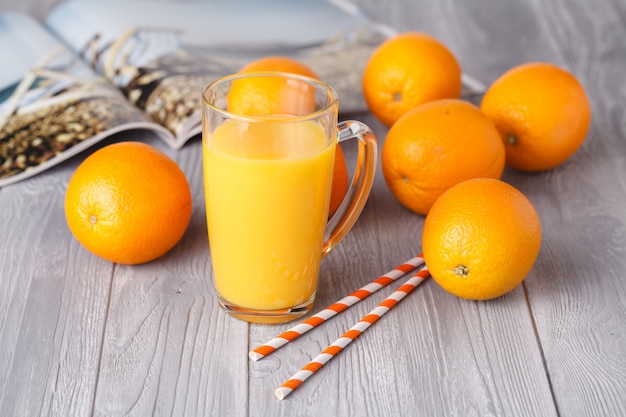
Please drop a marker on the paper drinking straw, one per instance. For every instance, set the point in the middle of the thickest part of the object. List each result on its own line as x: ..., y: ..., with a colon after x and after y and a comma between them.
x: 334, y: 309
x: 355, y: 331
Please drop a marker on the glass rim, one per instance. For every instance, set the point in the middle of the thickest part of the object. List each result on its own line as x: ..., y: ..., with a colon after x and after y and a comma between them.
x: 291, y: 118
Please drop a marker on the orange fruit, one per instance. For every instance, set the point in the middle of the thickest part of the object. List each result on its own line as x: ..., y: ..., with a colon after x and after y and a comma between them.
x: 128, y: 203
x: 279, y: 64
x: 437, y: 145
x: 481, y: 239
x: 272, y: 95
x: 340, y: 181
x: 408, y: 70
x: 264, y: 105
x: 542, y: 113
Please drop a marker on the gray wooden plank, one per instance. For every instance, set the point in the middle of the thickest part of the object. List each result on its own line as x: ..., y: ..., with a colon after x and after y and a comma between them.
x: 53, y: 305
x: 578, y: 299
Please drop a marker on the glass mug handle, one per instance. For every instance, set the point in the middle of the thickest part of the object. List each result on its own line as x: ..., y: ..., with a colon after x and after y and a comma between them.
x: 361, y: 185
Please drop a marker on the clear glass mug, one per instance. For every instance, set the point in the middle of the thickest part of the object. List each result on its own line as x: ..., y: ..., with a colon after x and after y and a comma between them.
x: 268, y: 167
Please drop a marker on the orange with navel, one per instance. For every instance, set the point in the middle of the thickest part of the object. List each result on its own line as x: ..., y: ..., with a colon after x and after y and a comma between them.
x: 128, y: 203
x: 481, y: 239
x: 542, y: 113
x: 263, y: 96
x: 437, y: 145
x: 407, y: 70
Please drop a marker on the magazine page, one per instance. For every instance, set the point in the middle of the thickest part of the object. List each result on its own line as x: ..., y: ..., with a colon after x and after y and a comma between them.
x: 52, y: 106
x: 162, y: 55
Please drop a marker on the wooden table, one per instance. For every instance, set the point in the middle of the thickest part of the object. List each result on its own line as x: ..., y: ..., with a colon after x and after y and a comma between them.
x: 82, y: 336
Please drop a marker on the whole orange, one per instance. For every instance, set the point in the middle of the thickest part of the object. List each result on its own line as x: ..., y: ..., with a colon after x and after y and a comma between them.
x: 481, y: 239
x: 128, y: 203
x: 272, y: 95
x: 259, y: 88
x: 408, y: 70
x: 279, y: 64
x: 437, y: 145
x: 542, y: 113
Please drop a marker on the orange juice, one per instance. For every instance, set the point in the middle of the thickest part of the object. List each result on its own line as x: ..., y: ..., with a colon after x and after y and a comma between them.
x: 267, y: 188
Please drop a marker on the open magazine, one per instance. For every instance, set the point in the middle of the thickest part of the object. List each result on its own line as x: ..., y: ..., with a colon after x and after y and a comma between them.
x: 98, y: 67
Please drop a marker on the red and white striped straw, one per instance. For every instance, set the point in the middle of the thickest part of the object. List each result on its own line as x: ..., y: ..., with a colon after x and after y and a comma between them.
x: 336, y: 308
x: 355, y: 331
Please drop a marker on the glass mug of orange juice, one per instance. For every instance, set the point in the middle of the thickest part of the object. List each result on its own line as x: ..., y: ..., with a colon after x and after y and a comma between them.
x: 269, y: 143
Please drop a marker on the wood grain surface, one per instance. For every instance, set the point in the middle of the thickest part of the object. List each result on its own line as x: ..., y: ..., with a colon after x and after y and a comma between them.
x: 81, y: 336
